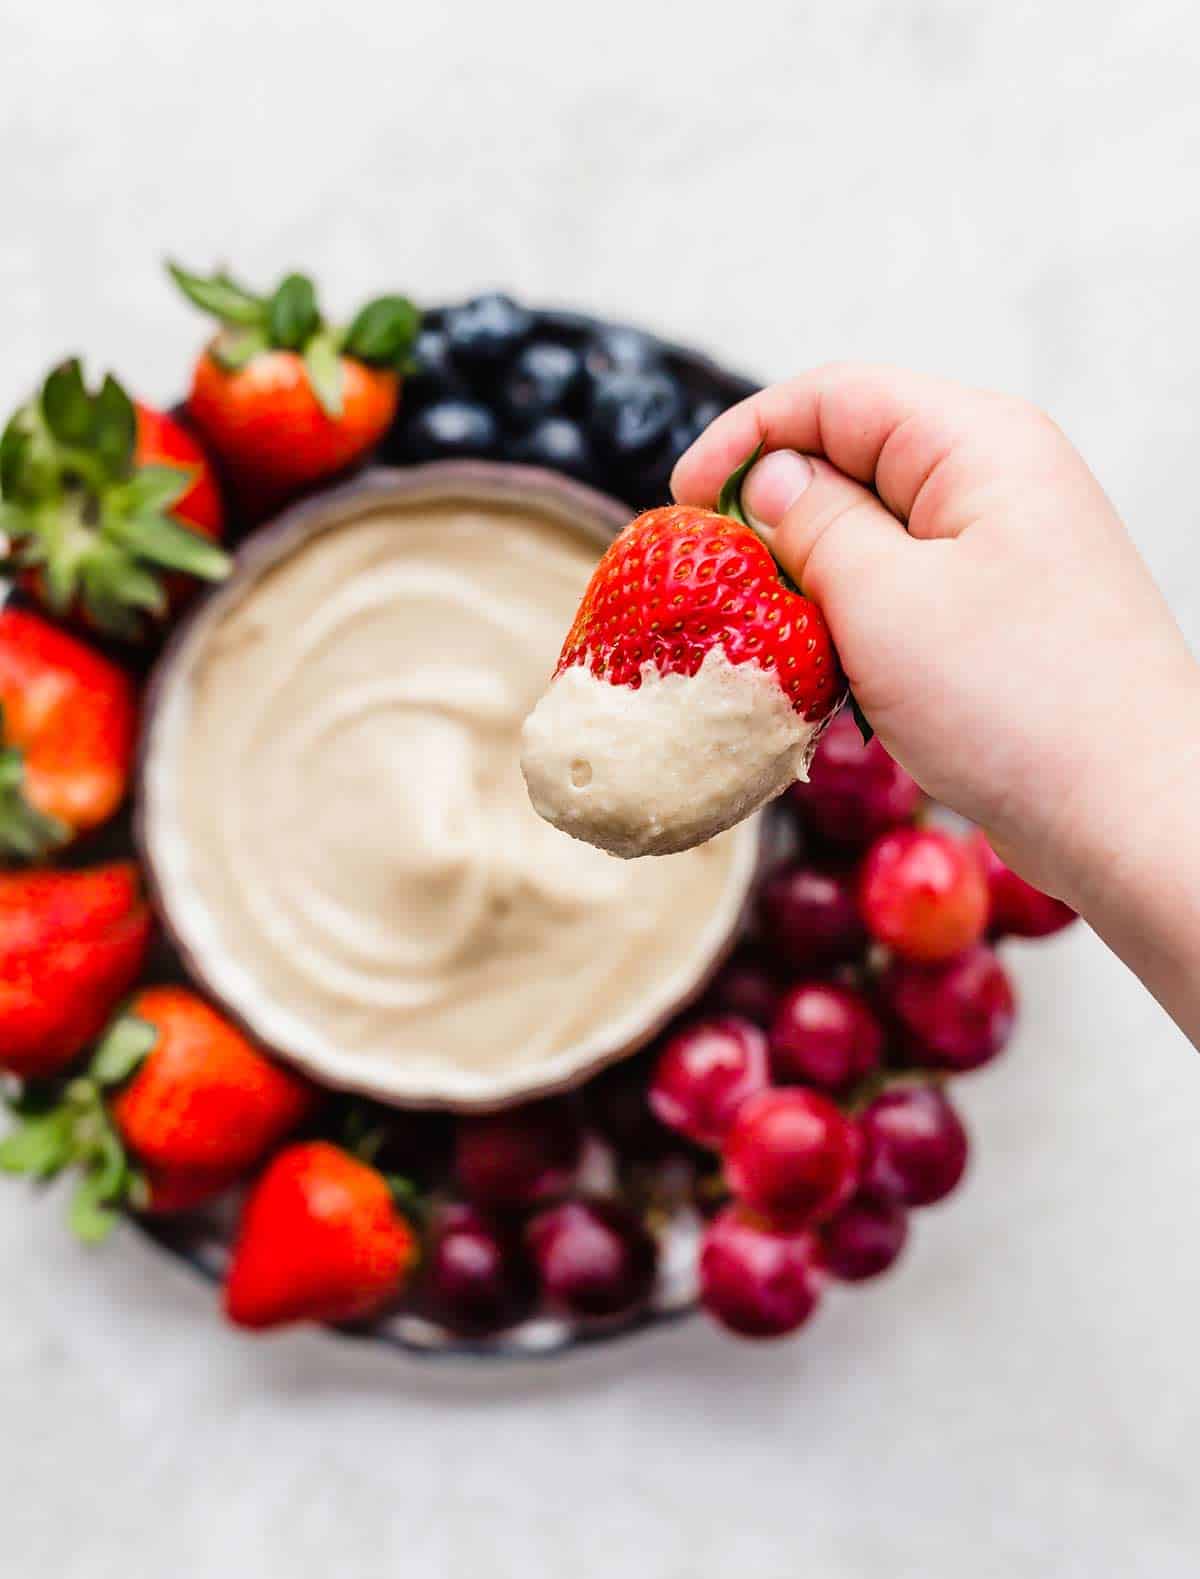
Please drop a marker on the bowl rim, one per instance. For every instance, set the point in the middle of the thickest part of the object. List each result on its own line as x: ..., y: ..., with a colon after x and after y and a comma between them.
x: 160, y: 845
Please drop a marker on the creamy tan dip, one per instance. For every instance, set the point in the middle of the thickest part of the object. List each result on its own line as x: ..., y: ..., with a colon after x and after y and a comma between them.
x: 337, y: 819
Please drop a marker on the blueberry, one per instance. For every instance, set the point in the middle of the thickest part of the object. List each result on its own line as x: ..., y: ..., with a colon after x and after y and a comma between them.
x: 450, y: 427
x: 541, y: 380
x: 648, y: 485
x: 556, y: 442
x: 689, y: 428
x: 434, y: 376
x: 618, y: 350
x: 486, y: 329
x: 649, y: 482
x: 632, y: 414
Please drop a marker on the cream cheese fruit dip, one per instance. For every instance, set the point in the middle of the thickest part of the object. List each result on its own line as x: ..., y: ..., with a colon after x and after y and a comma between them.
x: 335, y: 818
x: 666, y: 766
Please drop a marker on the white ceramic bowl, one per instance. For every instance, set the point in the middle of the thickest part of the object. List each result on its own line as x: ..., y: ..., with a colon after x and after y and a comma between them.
x: 168, y: 857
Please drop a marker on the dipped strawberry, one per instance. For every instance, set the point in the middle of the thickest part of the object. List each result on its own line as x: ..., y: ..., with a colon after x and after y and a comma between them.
x: 321, y: 1239
x: 286, y: 398
x: 71, y: 946
x: 67, y: 722
x: 108, y: 507
x: 690, y: 690
x: 176, y: 1105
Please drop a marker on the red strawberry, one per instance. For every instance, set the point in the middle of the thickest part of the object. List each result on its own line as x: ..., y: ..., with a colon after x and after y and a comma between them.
x: 161, y: 441
x: 165, y: 1193
x: 67, y: 722
x: 71, y: 947
x: 105, y: 505
x: 690, y: 689
x: 177, y: 1105
x: 321, y: 1239
x: 284, y: 398
x: 201, y: 1098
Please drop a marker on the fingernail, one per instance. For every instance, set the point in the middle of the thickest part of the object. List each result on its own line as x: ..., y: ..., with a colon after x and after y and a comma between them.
x: 773, y: 486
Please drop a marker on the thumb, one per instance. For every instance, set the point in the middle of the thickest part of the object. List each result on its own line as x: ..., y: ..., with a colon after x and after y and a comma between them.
x: 832, y: 535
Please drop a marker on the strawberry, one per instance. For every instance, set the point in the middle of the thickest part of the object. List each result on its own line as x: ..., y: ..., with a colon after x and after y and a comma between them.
x: 321, y: 1239
x: 201, y: 1097
x: 176, y: 1105
x: 167, y: 1192
x: 690, y: 689
x: 67, y: 723
x: 103, y: 504
x: 71, y: 947
x: 284, y: 398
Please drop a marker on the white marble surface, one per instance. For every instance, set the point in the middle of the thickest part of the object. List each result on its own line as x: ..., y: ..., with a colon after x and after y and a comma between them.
x: 1005, y: 193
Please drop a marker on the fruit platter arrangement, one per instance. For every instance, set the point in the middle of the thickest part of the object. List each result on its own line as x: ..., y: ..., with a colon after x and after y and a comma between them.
x: 769, y: 1134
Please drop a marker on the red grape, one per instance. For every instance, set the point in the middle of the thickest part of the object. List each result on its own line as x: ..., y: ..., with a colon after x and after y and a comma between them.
x: 745, y: 987
x: 864, y: 1238
x: 825, y: 1035
x: 478, y: 1279
x: 617, y: 1107
x: 1018, y: 909
x: 809, y: 918
x: 518, y: 1157
x: 704, y: 1074
x: 854, y: 791
x: 914, y: 1146
x: 792, y: 1155
x: 758, y: 1281
x: 953, y: 1016
x: 595, y: 1259
x: 923, y: 893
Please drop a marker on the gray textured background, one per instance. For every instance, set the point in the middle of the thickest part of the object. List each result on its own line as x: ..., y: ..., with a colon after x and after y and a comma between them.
x: 1004, y: 193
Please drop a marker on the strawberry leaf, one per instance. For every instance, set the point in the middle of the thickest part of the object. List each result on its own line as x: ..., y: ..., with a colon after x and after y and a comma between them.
x: 40, y: 1145
x: 62, y: 573
x: 383, y: 331
x: 14, y: 450
x: 150, y: 489
x: 292, y: 316
x: 163, y: 541
x: 325, y: 373
x: 91, y: 1216
x: 66, y: 404
x: 729, y: 500
x: 233, y: 349
x: 407, y: 1198
x: 114, y: 590
x: 114, y: 428
x: 860, y: 718
x: 26, y: 834
x: 121, y: 1050
x: 110, y: 1164
x: 219, y: 295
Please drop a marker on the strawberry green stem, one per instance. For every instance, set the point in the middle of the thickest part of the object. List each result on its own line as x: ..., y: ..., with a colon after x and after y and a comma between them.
x: 77, y: 1131
x: 380, y: 335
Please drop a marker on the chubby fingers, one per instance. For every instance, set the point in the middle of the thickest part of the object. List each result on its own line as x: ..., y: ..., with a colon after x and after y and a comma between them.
x: 827, y: 531
x: 887, y: 429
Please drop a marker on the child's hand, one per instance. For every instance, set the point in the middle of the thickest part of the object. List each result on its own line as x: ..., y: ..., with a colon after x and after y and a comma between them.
x: 996, y: 622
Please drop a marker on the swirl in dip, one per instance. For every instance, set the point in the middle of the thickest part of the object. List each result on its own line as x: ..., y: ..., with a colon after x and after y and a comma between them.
x: 337, y: 824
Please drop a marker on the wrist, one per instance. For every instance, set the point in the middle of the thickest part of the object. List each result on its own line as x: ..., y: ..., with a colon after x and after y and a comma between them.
x: 1131, y: 858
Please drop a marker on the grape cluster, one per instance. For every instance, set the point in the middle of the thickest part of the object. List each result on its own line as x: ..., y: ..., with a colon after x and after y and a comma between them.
x: 803, y: 1102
